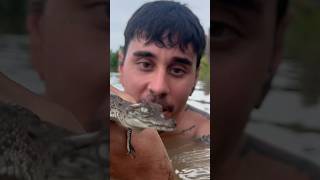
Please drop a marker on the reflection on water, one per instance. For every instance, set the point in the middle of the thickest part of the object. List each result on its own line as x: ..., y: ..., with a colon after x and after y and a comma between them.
x: 14, y: 62
x: 285, y: 120
x: 191, y: 159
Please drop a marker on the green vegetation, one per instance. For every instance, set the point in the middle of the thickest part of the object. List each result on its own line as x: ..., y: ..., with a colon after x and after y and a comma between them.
x: 113, y: 61
x: 204, y: 73
x: 12, y: 16
x: 302, y: 48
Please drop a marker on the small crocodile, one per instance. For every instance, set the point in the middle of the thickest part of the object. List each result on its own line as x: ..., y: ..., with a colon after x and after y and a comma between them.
x: 138, y: 116
x: 31, y: 149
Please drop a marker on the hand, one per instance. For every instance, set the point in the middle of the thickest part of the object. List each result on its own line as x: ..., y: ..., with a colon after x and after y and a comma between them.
x: 151, y: 159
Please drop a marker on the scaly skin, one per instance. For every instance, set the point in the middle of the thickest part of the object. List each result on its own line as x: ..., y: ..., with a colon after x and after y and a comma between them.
x: 138, y: 116
x: 31, y: 149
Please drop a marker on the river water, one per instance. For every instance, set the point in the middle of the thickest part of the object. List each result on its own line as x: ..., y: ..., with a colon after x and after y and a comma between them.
x: 285, y: 121
x: 190, y: 159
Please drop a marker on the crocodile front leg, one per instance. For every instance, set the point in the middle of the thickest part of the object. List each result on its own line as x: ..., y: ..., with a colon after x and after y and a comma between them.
x: 130, y: 148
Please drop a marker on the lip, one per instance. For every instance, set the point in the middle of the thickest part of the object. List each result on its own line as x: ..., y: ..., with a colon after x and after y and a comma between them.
x: 166, y: 114
x: 166, y: 107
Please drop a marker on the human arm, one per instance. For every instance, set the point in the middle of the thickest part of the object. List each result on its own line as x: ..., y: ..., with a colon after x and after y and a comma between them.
x: 151, y: 159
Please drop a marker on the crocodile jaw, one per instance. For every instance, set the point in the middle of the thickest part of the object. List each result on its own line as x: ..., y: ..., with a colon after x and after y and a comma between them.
x: 137, y: 123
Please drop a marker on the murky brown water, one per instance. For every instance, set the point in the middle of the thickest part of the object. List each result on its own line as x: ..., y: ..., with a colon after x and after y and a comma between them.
x: 190, y: 159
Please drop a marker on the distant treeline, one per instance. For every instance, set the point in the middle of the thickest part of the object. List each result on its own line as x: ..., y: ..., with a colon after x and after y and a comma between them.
x: 12, y: 16
x: 113, y: 61
x: 302, y: 48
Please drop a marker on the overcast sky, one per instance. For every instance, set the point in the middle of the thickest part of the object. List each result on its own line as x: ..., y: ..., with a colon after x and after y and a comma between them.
x: 121, y: 11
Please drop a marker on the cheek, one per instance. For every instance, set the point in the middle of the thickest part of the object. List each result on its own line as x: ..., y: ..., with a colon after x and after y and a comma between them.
x: 236, y: 85
x: 180, y: 91
x: 132, y: 82
x: 76, y: 66
x: 75, y: 55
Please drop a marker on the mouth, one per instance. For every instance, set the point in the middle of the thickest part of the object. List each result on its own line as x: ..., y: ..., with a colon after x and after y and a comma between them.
x: 167, y: 110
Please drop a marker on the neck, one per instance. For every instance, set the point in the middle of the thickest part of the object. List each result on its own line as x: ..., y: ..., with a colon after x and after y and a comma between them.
x: 180, y: 126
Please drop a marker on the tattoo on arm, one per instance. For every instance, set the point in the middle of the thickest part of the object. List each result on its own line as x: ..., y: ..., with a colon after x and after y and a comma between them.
x: 188, y: 129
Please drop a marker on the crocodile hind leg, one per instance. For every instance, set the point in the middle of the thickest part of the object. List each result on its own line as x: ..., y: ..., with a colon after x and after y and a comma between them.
x: 130, y: 148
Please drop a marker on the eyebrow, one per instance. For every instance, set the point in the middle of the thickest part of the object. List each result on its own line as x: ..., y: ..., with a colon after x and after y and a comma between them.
x: 143, y: 54
x: 179, y: 60
x: 247, y: 5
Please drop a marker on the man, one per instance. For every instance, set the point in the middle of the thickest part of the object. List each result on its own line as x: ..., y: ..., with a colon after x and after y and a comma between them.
x: 246, y: 42
x: 160, y: 62
x: 164, y: 42
x: 69, y: 47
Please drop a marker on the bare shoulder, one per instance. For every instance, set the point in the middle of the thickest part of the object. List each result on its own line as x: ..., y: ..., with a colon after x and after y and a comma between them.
x: 203, y: 126
x: 201, y: 119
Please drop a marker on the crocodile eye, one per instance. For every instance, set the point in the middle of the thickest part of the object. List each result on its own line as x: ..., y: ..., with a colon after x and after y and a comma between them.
x: 144, y: 110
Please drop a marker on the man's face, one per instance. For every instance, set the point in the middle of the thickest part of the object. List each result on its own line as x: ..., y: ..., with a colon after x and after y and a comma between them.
x: 162, y: 75
x: 245, y: 48
x: 70, y: 49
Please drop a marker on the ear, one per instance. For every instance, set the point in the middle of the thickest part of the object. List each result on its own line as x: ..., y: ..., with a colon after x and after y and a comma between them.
x: 33, y: 23
x: 120, y: 64
x: 120, y: 60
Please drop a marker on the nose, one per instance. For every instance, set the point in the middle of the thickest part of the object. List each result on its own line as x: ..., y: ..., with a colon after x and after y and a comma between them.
x: 159, y: 86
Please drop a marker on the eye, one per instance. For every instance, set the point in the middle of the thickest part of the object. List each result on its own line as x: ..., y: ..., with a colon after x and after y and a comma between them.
x: 177, y: 71
x: 223, y: 32
x: 144, y: 110
x: 145, y: 65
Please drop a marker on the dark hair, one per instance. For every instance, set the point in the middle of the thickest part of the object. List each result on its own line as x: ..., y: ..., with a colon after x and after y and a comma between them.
x: 167, y: 24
